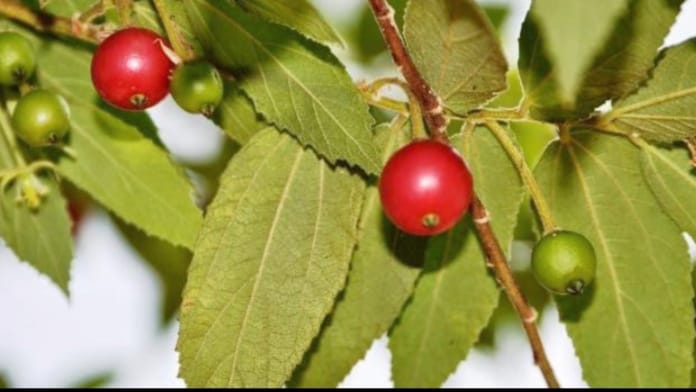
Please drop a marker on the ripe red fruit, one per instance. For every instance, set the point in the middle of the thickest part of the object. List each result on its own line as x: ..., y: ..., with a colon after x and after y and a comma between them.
x: 130, y: 70
x: 425, y: 187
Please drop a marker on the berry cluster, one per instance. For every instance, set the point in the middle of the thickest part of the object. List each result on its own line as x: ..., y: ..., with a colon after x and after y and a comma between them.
x: 134, y: 69
x: 41, y: 117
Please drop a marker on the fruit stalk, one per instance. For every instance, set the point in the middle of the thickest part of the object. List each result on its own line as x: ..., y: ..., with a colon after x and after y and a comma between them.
x: 437, y: 122
x: 8, y: 135
x: 430, y: 103
x: 182, y: 48
x: 525, y: 173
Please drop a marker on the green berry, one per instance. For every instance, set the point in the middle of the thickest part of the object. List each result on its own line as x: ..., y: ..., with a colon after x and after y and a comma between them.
x: 564, y: 262
x: 197, y: 87
x: 41, y: 118
x: 17, y: 59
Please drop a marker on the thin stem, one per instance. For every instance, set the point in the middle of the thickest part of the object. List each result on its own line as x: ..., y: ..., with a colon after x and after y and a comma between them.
x: 691, y: 145
x: 10, y: 139
x: 500, y: 114
x: 437, y: 122
x: 94, y: 11
x: 527, y: 314
x: 429, y: 102
x: 179, y: 44
x: 525, y: 173
x: 417, y: 130
x: 385, y: 103
x: 42, y: 21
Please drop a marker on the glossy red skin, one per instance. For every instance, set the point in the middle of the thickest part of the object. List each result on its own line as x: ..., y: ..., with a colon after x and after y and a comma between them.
x: 425, y: 177
x: 128, y: 63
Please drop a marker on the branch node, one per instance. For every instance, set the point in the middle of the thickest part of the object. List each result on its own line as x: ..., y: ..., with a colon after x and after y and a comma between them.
x: 484, y: 219
x: 531, y: 318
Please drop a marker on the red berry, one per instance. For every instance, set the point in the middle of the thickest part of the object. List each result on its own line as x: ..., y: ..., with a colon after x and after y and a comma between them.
x: 425, y: 188
x: 130, y: 70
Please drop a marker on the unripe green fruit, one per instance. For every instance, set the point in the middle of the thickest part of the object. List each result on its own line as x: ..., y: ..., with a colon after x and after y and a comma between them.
x: 17, y: 59
x: 41, y: 118
x: 197, y: 87
x: 564, y: 262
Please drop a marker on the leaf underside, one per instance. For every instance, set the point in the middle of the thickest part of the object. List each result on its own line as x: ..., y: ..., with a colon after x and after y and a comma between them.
x: 618, y: 68
x: 663, y: 110
x: 272, y: 256
x: 633, y: 326
x: 457, y: 51
x: 383, y: 271
x: 295, y: 84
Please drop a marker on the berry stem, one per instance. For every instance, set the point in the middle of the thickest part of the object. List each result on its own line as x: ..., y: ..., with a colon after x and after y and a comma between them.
x: 8, y: 135
x: 502, y: 271
x: 525, y: 173
x: 178, y: 42
x: 43, y: 21
x: 437, y: 122
x: 431, y: 105
x: 417, y: 130
x: 94, y: 11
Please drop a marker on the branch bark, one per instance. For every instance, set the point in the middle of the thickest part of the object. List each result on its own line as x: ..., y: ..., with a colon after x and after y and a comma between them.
x: 437, y: 122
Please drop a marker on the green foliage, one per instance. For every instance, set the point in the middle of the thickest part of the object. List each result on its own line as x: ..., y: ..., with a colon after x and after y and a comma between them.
x: 299, y: 15
x: 277, y: 241
x: 571, y: 44
x: 285, y: 75
x: 618, y: 67
x: 236, y: 115
x: 382, y: 276
x: 634, y: 324
x: 40, y: 238
x: 455, y: 48
x: 294, y: 271
x: 673, y: 181
x: 662, y: 111
x: 114, y: 162
x: 455, y: 297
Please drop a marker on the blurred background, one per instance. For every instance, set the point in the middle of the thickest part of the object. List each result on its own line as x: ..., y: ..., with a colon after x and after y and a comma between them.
x: 119, y: 326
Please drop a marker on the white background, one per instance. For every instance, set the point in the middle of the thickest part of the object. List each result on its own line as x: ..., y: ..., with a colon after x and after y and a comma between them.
x: 110, y: 323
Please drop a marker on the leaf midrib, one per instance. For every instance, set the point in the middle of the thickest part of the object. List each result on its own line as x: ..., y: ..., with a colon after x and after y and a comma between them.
x: 262, y: 261
x: 608, y: 257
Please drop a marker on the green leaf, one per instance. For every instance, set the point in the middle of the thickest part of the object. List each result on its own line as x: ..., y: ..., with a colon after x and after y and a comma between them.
x: 236, y: 116
x: 299, y: 15
x: 272, y: 256
x: 456, y: 295
x: 672, y: 180
x: 296, y: 84
x: 42, y: 237
x: 571, y: 42
x: 662, y: 111
x: 116, y: 164
x: 457, y: 51
x: 382, y: 276
x: 634, y: 324
x: 617, y: 69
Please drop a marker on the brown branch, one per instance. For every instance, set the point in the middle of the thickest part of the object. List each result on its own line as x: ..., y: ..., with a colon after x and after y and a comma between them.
x: 432, y: 106
x: 429, y: 102
x: 45, y: 22
x: 527, y: 314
